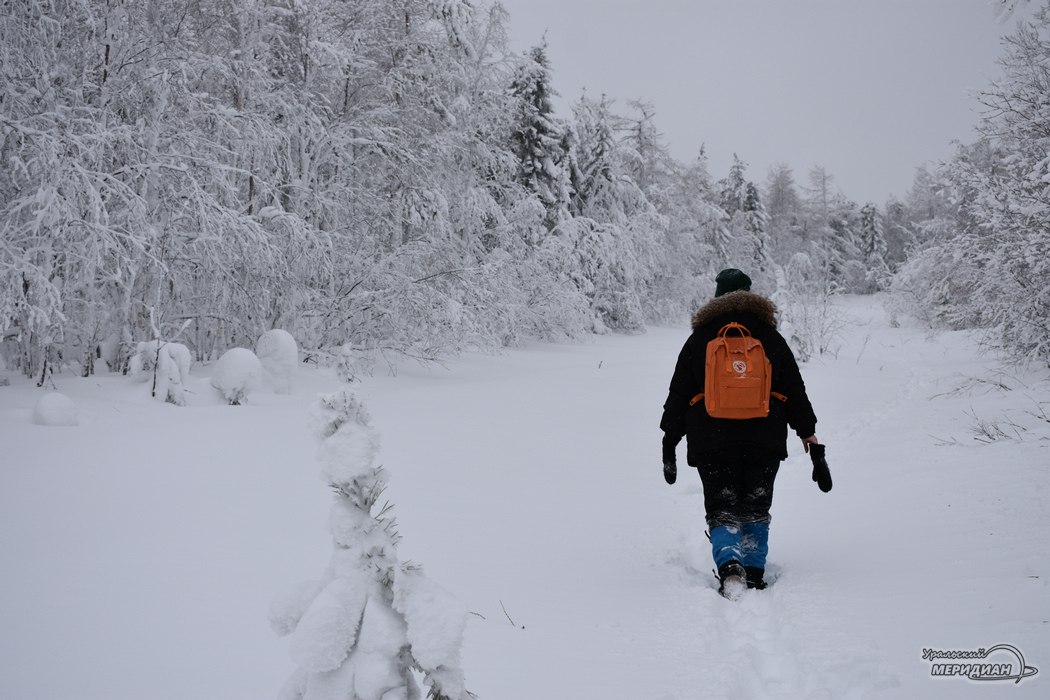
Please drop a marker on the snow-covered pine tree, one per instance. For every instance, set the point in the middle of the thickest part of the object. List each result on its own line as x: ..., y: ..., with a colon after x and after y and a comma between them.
x: 601, y: 177
x: 649, y: 169
x: 689, y: 262
x: 786, y: 216
x: 897, y: 232
x: 872, y: 245
x: 842, y: 248
x: 925, y: 200
x: 537, y: 135
x: 744, y: 242
x: 649, y: 159
x: 819, y: 198
x: 694, y: 192
x: 371, y: 621
x: 610, y: 247
x: 781, y: 196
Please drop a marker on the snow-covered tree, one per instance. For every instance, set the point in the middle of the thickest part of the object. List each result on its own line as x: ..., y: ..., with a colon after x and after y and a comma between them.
x: 604, y: 189
x: 804, y: 297
x: 841, y: 246
x: 537, y: 135
x: 872, y: 244
x: 371, y: 621
x: 820, y: 194
x: 649, y: 159
x: 744, y: 242
x: 786, y: 213
x: 612, y: 251
x: 897, y: 232
x: 986, y: 264
x: 695, y: 222
x: 781, y: 195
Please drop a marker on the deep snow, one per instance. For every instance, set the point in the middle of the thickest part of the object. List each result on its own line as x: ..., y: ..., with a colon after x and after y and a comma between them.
x: 141, y: 550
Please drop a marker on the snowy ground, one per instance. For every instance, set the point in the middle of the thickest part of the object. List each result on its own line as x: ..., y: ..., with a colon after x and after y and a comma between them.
x: 140, y: 550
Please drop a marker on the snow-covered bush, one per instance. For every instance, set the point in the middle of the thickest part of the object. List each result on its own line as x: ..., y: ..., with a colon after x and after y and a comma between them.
x: 361, y: 631
x: 808, y: 317
x: 55, y: 409
x: 142, y: 363
x: 166, y: 365
x: 279, y: 355
x: 237, y: 373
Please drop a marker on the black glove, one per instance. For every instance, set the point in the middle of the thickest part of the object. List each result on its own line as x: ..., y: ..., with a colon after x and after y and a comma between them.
x: 670, y: 460
x: 821, y: 473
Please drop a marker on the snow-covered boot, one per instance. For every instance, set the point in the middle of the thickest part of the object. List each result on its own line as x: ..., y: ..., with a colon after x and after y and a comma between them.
x: 733, y: 579
x: 755, y: 577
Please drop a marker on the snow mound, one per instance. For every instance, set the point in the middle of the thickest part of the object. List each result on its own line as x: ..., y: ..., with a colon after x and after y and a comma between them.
x: 237, y: 373
x: 279, y: 355
x: 55, y: 409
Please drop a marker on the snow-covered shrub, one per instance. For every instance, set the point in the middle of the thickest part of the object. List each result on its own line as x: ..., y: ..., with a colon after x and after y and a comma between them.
x: 55, y: 409
x: 279, y: 355
x: 237, y: 373
x: 371, y: 621
x: 142, y: 362
x: 166, y: 365
x: 808, y: 317
x: 4, y: 380
x: 350, y: 363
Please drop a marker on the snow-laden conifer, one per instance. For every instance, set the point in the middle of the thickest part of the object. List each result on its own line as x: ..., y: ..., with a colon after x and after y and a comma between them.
x: 872, y: 244
x: 537, y: 135
x: 371, y: 622
x: 742, y: 242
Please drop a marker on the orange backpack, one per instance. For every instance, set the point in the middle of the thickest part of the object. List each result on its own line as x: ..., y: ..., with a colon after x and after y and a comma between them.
x: 737, y: 376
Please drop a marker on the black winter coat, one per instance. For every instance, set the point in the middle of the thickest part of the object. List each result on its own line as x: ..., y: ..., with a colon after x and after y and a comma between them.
x: 707, y: 435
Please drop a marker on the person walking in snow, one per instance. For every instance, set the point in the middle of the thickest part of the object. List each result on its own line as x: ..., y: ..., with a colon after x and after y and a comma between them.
x: 737, y: 459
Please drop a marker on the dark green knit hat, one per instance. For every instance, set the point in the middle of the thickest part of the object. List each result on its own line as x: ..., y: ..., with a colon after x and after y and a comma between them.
x: 730, y: 280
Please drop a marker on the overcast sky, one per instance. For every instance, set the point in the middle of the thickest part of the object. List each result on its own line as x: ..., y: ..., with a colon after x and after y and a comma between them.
x: 870, y: 89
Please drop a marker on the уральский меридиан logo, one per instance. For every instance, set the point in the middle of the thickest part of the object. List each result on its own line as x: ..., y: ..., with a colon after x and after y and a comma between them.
x: 1002, y: 662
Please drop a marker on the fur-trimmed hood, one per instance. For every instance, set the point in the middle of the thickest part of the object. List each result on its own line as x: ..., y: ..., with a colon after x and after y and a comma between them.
x: 738, y: 302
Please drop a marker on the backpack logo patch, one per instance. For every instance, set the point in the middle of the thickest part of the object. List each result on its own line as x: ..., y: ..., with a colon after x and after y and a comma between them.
x: 740, y: 367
